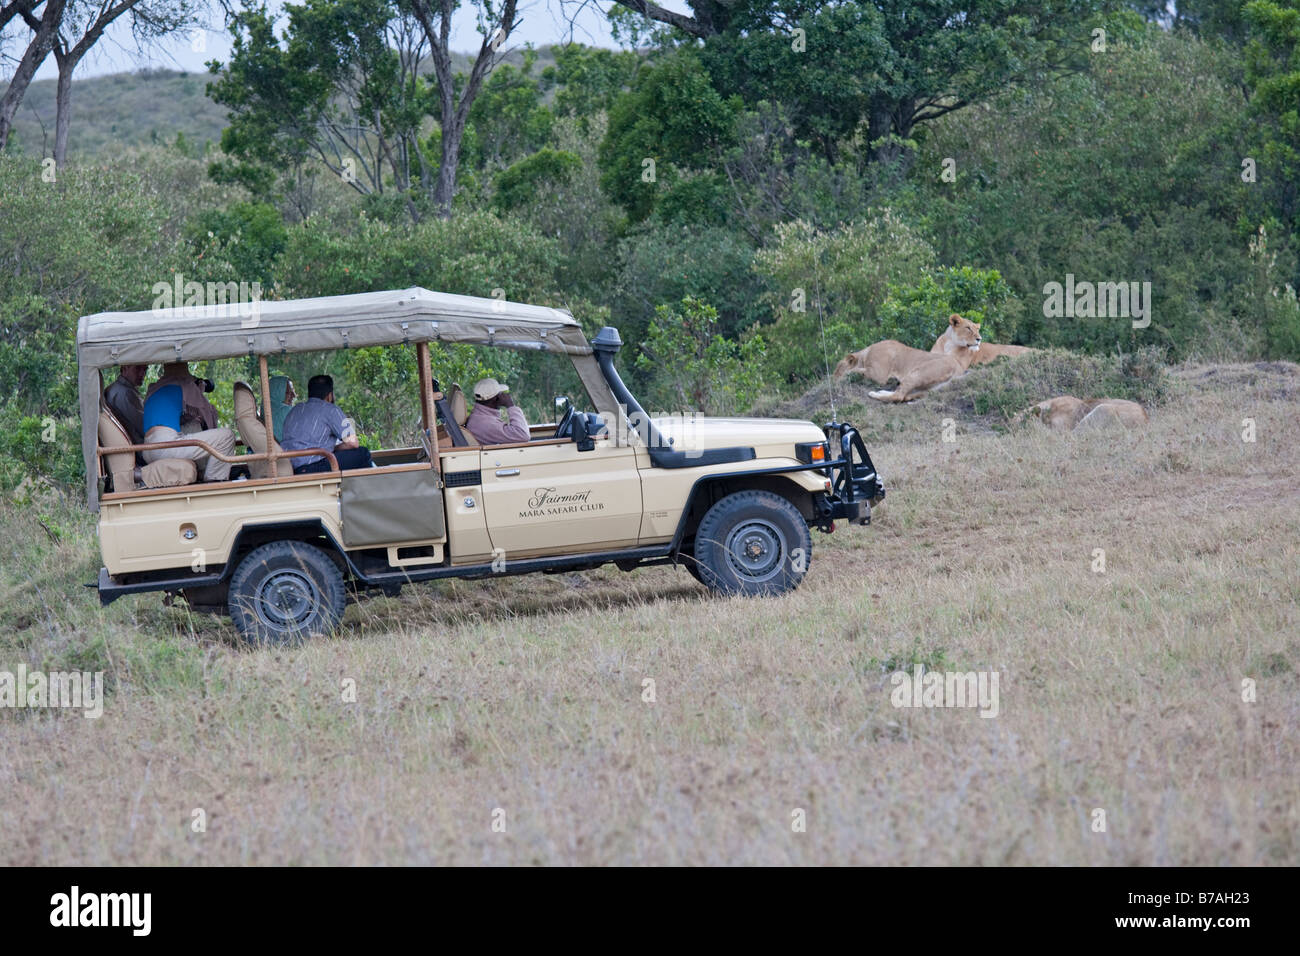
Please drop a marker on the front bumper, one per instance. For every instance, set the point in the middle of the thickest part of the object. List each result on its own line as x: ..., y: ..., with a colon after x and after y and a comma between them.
x: 855, y: 484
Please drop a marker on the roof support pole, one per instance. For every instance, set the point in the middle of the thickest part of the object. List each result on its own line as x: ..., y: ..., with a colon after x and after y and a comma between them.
x: 427, y: 414
x: 268, y: 420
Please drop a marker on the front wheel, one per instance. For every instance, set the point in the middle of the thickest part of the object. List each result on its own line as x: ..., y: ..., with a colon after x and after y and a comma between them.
x: 752, y: 543
x: 284, y: 592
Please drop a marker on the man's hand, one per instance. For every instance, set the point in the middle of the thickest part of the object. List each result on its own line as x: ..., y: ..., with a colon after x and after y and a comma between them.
x: 348, y: 443
x: 505, y: 400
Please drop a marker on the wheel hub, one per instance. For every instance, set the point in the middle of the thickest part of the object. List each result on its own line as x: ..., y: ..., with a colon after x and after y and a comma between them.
x: 287, y: 599
x: 755, y: 550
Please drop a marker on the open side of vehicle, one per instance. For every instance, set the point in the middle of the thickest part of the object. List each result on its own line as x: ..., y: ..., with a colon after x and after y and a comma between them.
x: 731, y: 500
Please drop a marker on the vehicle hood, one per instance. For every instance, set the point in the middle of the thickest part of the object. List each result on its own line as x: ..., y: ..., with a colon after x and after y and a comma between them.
x: 769, y: 437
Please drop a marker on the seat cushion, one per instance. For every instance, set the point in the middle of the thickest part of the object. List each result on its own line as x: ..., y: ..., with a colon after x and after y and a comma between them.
x: 169, y: 472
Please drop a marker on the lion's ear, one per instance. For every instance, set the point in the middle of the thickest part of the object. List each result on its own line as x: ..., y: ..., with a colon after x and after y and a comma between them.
x: 954, y: 320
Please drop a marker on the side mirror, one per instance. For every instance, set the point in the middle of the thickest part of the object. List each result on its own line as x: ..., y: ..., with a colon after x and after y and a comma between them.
x: 561, y: 406
x: 581, y: 437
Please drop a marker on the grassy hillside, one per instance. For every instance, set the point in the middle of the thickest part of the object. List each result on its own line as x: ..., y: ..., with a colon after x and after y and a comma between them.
x: 122, y: 110
x: 1119, y: 690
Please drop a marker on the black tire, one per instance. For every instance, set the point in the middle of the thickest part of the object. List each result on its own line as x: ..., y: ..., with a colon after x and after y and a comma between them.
x: 752, y: 543
x: 284, y: 592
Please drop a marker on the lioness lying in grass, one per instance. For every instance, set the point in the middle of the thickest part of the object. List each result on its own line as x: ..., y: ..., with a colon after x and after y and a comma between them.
x: 917, y: 371
x: 1065, y: 412
x: 959, y: 332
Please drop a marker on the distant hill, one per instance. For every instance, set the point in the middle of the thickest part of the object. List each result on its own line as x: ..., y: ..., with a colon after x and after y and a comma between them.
x: 123, y: 109
x: 151, y: 106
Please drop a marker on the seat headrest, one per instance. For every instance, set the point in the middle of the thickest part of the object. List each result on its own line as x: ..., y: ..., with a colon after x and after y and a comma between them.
x: 456, y: 402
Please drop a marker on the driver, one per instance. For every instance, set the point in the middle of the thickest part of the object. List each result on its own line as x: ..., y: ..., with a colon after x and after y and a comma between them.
x: 485, y: 423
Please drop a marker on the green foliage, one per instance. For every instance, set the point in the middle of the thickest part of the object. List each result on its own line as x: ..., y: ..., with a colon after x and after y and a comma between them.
x: 672, y: 117
x: 1272, y: 59
x: 687, y: 366
x: 241, y: 242
x: 587, y: 80
x: 508, y: 118
x: 885, y: 67
x: 666, y: 263
x: 472, y: 254
x: 1063, y: 179
x: 827, y: 286
x: 917, y: 314
x: 520, y: 184
x: 34, y: 448
x: 96, y: 239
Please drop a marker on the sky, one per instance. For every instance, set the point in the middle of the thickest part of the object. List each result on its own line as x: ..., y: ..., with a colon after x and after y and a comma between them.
x: 543, y: 21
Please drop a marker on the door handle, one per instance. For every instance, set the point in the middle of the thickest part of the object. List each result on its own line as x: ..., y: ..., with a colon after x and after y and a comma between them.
x: 507, y: 472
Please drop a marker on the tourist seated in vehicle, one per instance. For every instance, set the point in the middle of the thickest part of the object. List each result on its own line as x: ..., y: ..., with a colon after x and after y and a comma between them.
x: 176, y: 407
x: 123, y: 399
x: 485, y: 423
x: 282, y: 398
x: 319, y: 423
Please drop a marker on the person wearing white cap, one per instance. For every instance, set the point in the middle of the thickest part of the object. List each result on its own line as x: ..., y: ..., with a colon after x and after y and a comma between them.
x: 485, y: 423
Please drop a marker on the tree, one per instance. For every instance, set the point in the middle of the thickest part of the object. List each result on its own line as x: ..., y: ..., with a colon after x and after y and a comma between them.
x: 84, y: 23
x: 884, y: 66
x: 673, y: 117
x: 343, y: 85
x: 44, y: 35
x: 495, y: 25
x: 1273, y: 71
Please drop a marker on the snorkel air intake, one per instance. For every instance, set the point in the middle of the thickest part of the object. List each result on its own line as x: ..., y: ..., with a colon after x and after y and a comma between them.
x: 606, y: 345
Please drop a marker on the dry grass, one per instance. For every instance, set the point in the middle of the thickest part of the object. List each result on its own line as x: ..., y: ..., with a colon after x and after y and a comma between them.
x: 1119, y: 690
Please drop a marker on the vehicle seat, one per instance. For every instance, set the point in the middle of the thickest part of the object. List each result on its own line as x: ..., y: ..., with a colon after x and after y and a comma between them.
x: 253, y: 432
x: 460, y: 411
x: 164, y: 473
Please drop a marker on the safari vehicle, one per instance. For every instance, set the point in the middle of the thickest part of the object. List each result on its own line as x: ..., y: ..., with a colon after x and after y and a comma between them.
x: 730, y: 499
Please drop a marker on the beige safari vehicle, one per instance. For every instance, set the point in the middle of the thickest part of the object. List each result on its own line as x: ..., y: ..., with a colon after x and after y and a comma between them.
x: 732, y: 500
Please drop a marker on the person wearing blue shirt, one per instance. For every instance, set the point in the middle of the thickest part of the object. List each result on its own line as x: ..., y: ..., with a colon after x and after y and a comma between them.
x: 319, y: 423
x: 169, y: 415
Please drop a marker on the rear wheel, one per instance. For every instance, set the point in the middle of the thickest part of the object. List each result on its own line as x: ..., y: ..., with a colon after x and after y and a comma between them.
x: 752, y: 543
x: 284, y: 592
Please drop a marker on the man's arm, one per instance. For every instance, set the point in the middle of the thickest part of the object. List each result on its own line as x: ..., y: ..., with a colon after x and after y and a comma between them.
x: 336, y: 426
x: 517, y: 428
x: 197, y: 406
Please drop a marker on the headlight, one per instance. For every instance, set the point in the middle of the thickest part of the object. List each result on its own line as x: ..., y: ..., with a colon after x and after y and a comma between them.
x: 812, y: 452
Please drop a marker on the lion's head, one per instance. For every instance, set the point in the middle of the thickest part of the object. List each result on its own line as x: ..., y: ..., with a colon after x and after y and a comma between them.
x: 963, y: 331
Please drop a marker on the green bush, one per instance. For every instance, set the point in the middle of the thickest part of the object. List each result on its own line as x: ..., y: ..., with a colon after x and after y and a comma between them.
x: 688, y: 367
x: 826, y: 287
x: 917, y: 314
x: 38, y: 447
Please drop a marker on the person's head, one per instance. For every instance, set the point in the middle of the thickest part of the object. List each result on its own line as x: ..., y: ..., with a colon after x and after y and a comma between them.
x: 176, y: 370
x: 489, y: 392
x: 282, y: 389
x: 322, y: 387
x: 134, y: 374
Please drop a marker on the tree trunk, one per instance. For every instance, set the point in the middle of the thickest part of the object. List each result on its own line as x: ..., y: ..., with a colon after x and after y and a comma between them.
x: 62, y: 105
x: 445, y: 189
x: 42, y: 42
